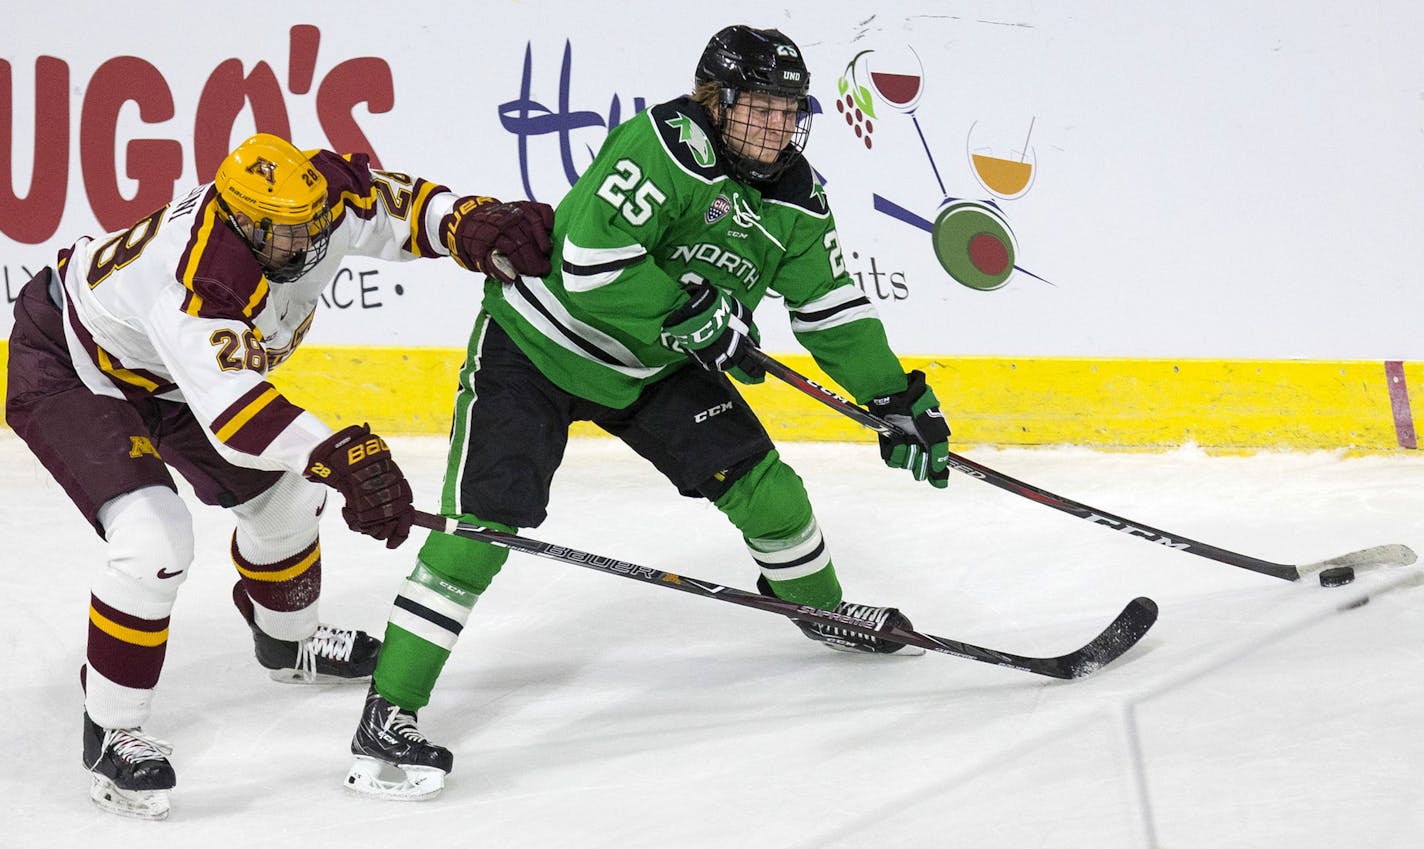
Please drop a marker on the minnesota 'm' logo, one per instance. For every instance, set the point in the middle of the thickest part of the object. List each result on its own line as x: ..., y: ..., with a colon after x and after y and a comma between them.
x: 141, y: 445
x: 264, y: 168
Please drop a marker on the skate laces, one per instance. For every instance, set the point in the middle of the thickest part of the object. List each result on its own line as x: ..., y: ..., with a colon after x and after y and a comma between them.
x: 403, y: 723
x: 133, y: 745
x: 328, y: 642
x: 877, y: 615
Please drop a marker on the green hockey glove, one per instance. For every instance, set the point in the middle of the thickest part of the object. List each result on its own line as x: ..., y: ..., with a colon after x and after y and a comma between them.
x: 716, y: 331
x: 924, y: 446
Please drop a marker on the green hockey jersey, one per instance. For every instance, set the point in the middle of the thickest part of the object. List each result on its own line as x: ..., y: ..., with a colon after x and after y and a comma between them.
x: 657, y: 210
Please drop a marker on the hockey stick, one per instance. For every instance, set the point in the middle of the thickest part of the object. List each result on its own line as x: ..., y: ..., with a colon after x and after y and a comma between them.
x: 1380, y: 555
x: 1118, y: 637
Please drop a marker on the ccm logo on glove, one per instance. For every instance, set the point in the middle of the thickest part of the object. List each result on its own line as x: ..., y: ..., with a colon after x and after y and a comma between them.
x: 922, y: 444
x: 715, y: 330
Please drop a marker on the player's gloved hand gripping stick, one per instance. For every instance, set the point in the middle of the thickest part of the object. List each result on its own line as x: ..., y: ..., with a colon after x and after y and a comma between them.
x: 1380, y: 555
x: 503, y: 240
x: 716, y: 331
x: 358, y: 464
x: 922, y: 442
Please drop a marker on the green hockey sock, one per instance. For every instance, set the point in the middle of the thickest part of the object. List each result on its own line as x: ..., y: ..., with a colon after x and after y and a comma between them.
x: 429, y: 612
x: 770, y: 507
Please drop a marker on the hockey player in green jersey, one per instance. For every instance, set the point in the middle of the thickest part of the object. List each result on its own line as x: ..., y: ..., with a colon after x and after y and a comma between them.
x: 690, y: 213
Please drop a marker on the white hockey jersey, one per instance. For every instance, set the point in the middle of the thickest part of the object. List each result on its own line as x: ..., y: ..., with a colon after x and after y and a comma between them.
x: 176, y: 306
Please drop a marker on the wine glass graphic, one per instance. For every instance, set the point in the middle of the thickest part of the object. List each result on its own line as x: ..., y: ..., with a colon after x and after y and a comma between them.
x: 898, y: 77
x: 972, y: 239
x: 895, y: 82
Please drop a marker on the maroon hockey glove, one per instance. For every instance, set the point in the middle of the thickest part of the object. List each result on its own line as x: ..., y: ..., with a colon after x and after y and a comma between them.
x: 500, y: 239
x: 358, y: 464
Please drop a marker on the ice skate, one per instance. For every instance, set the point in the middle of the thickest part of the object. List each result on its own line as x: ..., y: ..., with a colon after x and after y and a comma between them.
x: 130, y: 772
x: 330, y: 656
x: 847, y: 640
x: 393, y: 759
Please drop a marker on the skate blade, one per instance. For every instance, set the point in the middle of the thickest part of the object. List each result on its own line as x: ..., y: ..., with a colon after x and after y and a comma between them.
x: 416, y: 784
x: 297, y: 676
x: 139, y: 804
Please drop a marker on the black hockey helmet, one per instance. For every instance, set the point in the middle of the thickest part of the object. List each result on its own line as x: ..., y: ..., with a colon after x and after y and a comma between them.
x: 742, y: 59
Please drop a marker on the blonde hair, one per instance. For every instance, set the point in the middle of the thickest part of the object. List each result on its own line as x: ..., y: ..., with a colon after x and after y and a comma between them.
x: 705, y: 94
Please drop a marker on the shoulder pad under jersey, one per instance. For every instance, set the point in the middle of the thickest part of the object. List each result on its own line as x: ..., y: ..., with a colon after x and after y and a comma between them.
x: 797, y: 186
x: 349, y: 174
x: 222, y: 277
x: 686, y: 131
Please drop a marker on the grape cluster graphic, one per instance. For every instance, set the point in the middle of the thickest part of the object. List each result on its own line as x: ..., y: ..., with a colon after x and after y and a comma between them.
x: 856, y: 102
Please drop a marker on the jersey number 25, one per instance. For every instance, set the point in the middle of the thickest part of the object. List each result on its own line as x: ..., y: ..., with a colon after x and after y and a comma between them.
x: 629, y: 193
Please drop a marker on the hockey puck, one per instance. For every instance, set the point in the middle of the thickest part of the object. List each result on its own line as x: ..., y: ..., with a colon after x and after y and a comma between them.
x: 1337, y: 577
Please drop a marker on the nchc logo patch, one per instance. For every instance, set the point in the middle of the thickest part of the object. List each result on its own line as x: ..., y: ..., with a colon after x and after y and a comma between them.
x: 718, y: 210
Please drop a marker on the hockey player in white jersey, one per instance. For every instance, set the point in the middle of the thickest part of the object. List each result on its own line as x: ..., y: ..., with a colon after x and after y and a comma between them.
x: 151, y: 348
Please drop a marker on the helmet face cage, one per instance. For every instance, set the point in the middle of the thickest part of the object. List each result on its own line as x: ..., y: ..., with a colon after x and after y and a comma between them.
x: 750, y: 135
x: 743, y: 61
x: 286, y: 251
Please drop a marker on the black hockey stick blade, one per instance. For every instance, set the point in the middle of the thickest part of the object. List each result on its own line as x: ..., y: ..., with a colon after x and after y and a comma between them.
x: 1368, y: 558
x: 1121, y: 634
x: 1118, y: 637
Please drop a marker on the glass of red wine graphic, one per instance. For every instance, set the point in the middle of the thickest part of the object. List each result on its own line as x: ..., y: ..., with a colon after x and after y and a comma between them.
x: 901, y: 91
x: 900, y: 82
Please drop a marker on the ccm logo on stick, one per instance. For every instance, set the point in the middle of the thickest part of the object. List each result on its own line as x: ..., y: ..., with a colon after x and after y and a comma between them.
x: 1134, y: 531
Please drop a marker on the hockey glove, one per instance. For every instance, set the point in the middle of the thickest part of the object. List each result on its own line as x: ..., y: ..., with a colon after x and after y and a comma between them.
x: 358, y: 464
x: 924, y: 446
x: 716, y: 331
x: 503, y: 240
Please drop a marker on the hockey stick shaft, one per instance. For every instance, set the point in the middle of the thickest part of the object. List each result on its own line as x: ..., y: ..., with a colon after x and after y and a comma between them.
x: 1118, y: 637
x: 1391, y: 555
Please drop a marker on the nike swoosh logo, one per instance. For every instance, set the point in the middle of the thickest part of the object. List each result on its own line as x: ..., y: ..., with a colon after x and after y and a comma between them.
x: 164, y: 573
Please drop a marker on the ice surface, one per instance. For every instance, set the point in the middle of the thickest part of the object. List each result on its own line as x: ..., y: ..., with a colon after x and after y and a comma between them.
x: 591, y: 711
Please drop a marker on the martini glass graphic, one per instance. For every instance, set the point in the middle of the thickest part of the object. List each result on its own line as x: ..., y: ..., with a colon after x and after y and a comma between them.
x: 1005, y: 178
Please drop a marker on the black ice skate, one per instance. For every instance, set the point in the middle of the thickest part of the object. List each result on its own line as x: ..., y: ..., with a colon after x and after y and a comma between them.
x: 330, y: 656
x: 845, y: 639
x: 387, y: 744
x: 131, y: 772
